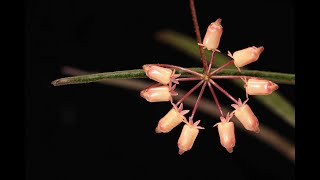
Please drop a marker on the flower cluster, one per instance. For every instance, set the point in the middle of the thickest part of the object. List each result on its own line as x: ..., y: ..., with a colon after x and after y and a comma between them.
x: 167, y: 80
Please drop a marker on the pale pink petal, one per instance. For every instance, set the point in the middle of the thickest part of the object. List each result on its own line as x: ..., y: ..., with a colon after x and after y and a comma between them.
x: 174, y: 93
x: 196, y: 123
x: 184, y: 112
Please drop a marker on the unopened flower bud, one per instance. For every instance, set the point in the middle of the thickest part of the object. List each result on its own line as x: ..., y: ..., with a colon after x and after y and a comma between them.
x: 246, y: 56
x: 157, y: 73
x: 172, y: 119
x: 260, y: 87
x: 212, y: 37
x: 247, y: 118
x: 227, y: 137
x: 157, y: 94
x: 188, y: 135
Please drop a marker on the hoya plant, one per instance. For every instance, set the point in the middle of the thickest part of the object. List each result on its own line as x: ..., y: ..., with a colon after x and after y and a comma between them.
x: 214, y: 67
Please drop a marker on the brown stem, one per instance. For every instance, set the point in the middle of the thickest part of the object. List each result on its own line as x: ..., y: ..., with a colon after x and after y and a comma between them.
x: 197, y: 31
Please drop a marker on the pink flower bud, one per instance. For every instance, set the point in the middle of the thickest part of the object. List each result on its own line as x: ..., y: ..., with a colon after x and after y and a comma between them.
x: 157, y: 94
x: 227, y: 137
x: 245, y: 115
x: 172, y: 119
x: 212, y: 37
x: 188, y: 136
x: 157, y: 73
x: 246, y: 56
x: 260, y: 87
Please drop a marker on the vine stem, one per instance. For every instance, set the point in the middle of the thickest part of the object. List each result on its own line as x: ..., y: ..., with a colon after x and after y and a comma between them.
x: 198, y: 35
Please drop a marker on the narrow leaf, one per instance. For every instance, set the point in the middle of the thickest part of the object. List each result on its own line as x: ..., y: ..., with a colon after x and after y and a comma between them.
x: 127, y: 74
x: 139, y: 73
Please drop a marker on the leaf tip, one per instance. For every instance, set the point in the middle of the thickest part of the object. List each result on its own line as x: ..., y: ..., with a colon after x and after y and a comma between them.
x: 59, y: 82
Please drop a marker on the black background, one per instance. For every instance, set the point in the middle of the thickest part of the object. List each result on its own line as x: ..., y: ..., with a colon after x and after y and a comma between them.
x: 93, y: 131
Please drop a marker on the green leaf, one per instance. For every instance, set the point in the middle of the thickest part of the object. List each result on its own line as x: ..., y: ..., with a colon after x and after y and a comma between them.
x: 139, y: 73
x: 127, y: 74
x: 275, y: 102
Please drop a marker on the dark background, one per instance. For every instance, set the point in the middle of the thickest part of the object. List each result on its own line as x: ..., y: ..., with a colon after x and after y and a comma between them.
x: 93, y: 131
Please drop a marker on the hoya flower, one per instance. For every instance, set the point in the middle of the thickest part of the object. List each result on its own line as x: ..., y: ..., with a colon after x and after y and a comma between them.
x: 165, y: 75
x: 160, y: 74
x: 212, y: 37
x: 246, y: 56
x: 159, y: 94
x: 167, y: 80
x: 188, y: 135
x: 260, y: 86
x: 245, y: 115
x: 226, y: 133
x: 172, y: 119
